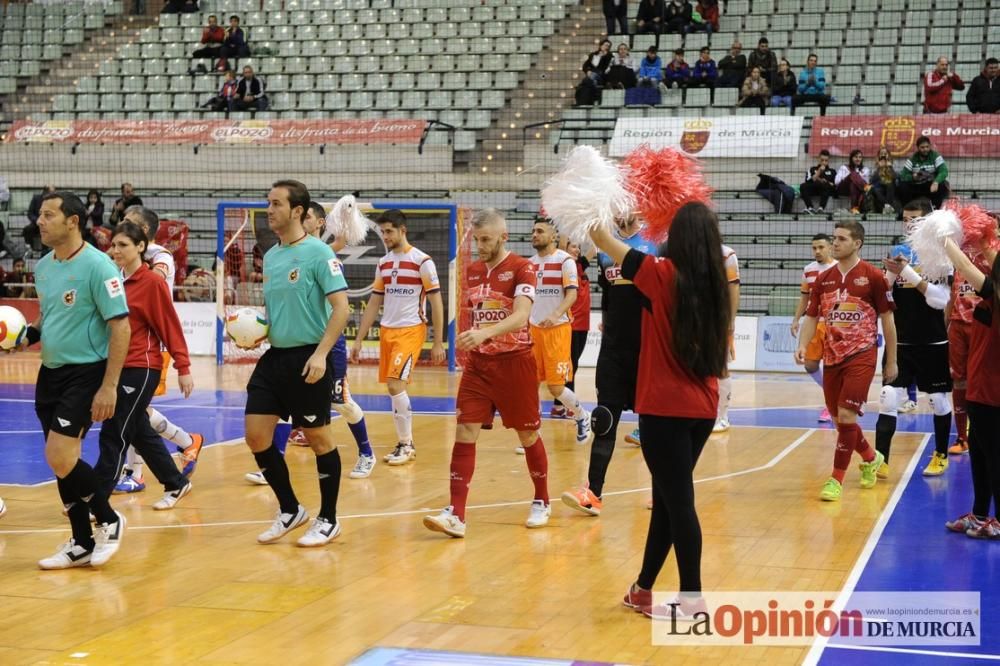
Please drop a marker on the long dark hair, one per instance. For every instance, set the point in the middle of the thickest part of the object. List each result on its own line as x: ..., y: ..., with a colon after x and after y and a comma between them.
x: 700, y: 320
x: 134, y: 233
x: 850, y: 160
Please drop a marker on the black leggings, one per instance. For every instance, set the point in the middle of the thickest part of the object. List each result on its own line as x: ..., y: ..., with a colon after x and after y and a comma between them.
x: 577, y: 343
x: 671, y: 447
x: 130, y: 425
x: 984, y: 457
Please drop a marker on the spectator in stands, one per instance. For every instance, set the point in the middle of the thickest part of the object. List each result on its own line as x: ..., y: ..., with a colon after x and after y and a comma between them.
x: 812, y: 87
x: 853, y: 180
x: 677, y: 73
x: 180, y: 6
x: 127, y: 199
x: 709, y: 10
x: 249, y: 93
x: 884, y: 183
x: 95, y: 209
x: 257, y: 259
x: 227, y: 93
x: 616, y: 11
x: 30, y: 233
x: 984, y: 93
x: 213, y: 36
x: 704, y: 73
x: 755, y: 91
x: 650, y: 17
x: 785, y: 85
x: 938, y: 85
x: 925, y: 174
x: 235, y: 45
x: 12, y: 281
x: 677, y: 16
x: 820, y: 182
x: 651, y: 69
x: 622, y: 73
x: 764, y: 58
x: 733, y: 68
x: 597, y: 63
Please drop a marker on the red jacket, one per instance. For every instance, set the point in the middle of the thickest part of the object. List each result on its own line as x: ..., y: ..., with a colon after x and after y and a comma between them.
x: 154, y: 323
x: 213, y: 35
x: 937, y: 91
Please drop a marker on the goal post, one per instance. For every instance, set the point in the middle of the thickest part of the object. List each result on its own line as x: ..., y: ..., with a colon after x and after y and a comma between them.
x: 243, y: 237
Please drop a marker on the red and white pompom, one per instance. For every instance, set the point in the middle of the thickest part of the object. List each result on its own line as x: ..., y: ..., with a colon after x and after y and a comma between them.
x: 348, y: 222
x: 926, y: 236
x: 589, y: 190
x: 663, y: 181
x: 978, y: 225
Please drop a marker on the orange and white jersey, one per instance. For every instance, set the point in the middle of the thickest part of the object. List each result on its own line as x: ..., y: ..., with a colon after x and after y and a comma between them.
x: 555, y: 274
x: 811, y: 272
x: 160, y: 259
x: 404, y: 279
x: 732, y: 265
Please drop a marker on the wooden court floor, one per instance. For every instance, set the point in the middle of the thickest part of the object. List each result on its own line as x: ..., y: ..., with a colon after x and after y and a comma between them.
x: 192, y: 586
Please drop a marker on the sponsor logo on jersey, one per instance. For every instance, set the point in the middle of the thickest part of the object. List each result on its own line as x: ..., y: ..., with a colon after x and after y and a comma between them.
x: 489, y: 312
x: 69, y: 298
x: 613, y: 273
x: 845, y: 314
x: 401, y: 291
x: 506, y: 276
x: 861, y: 281
x: 293, y: 275
x: 966, y: 290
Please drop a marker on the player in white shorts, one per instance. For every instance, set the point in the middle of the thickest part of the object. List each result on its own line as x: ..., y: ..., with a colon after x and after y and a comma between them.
x: 405, y: 280
x: 188, y: 444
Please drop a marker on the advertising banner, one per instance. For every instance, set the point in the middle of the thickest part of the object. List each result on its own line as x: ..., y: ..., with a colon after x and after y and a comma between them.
x: 958, y: 135
x: 726, y: 136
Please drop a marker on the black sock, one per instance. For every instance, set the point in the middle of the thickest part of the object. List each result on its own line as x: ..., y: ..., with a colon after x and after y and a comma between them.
x: 82, y: 480
x: 885, y: 428
x: 328, y: 466
x: 79, y: 515
x: 602, y: 449
x: 275, y: 470
x: 942, y: 431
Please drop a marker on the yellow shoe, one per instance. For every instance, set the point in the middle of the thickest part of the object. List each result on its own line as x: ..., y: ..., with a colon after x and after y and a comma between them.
x: 869, y: 470
x: 831, y: 490
x: 883, y: 471
x: 937, y: 465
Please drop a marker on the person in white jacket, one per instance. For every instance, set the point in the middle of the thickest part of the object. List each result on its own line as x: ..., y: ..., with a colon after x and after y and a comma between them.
x: 853, y: 180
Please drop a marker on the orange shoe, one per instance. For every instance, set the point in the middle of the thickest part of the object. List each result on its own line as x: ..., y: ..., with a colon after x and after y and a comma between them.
x: 960, y: 447
x: 583, y: 500
x: 298, y: 438
x: 190, y: 454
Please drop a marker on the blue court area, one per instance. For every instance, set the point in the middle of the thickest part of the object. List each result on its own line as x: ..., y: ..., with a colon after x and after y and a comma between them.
x: 914, y: 552
x: 402, y: 657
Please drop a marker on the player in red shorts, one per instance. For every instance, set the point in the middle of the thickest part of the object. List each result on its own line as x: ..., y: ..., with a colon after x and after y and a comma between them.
x: 963, y: 303
x: 849, y: 297
x: 500, y: 374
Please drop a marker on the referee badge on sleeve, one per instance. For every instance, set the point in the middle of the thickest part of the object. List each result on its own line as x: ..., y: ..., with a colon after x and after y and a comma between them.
x: 114, y: 287
x: 334, y: 265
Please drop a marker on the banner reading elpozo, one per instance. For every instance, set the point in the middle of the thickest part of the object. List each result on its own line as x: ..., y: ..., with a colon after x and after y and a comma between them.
x: 952, y: 135
x: 226, y: 132
x: 727, y: 136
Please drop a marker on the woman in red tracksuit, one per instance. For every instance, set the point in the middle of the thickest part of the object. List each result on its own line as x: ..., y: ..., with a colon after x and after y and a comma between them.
x: 154, y: 323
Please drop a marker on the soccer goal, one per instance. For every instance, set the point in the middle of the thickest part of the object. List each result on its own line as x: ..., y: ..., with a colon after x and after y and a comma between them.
x: 244, y: 237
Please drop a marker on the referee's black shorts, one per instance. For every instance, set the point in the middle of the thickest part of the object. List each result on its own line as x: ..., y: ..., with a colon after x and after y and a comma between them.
x: 615, y: 377
x: 926, y: 365
x: 278, y: 388
x: 65, y: 395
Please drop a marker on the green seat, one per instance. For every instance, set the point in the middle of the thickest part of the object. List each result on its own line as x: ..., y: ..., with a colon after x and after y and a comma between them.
x: 439, y: 99
x: 308, y: 101
x: 913, y: 34
x: 334, y: 101
x: 446, y: 30
x: 492, y: 99
x: 361, y: 101
x: 848, y: 75
x: 64, y: 103
x: 726, y: 97
x: 87, y: 103
x: 456, y: 46
x: 376, y: 82
x: 302, y: 82
x: 418, y: 63
x: 320, y: 65
x: 478, y: 119
x: 877, y: 74
x: 442, y: 63
x: 413, y: 99
x: 110, y: 102
x: 352, y: 82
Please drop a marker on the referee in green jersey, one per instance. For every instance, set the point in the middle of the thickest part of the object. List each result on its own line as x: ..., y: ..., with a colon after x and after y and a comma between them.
x: 85, y: 332
x: 306, y: 299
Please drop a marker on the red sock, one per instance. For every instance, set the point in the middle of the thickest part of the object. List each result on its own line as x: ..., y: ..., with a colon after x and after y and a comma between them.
x: 845, y: 447
x: 538, y: 466
x: 861, y: 444
x: 463, y: 463
x: 961, y: 416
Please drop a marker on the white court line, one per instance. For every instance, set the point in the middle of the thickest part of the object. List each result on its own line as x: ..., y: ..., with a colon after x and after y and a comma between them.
x: 816, y: 651
x: 931, y: 653
x: 389, y: 514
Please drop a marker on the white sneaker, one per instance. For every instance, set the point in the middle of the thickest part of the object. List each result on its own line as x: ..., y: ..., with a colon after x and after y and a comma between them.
x: 68, y: 556
x: 320, y: 533
x: 172, y: 497
x: 519, y: 450
x: 107, y: 538
x: 446, y: 522
x: 721, y: 425
x: 583, y: 428
x: 539, y: 516
x: 256, y: 478
x: 3, y: 508
x: 403, y: 454
x: 907, y: 407
x: 363, y: 468
x: 283, y: 524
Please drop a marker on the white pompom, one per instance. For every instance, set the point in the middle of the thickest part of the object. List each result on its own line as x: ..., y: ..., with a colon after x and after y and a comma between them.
x: 588, y: 191
x: 347, y: 221
x: 926, y: 237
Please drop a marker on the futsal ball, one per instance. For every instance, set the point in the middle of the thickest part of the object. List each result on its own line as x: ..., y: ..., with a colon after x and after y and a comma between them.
x: 13, y: 327
x: 247, y: 328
